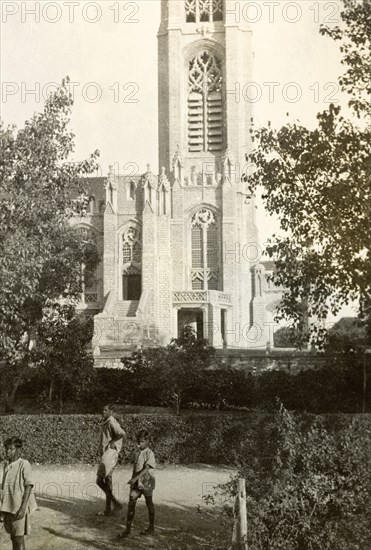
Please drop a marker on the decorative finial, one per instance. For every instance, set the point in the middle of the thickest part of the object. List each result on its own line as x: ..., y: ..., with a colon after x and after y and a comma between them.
x: 163, y: 171
x: 148, y: 167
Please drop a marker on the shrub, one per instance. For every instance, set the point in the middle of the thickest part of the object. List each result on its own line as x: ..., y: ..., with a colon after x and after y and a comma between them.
x: 213, y: 439
x: 172, y: 372
x: 337, y: 387
x: 313, y: 490
x: 67, y: 439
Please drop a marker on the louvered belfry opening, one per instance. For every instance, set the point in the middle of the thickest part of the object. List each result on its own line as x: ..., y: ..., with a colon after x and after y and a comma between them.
x: 205, y: 114
x: 203, y: 11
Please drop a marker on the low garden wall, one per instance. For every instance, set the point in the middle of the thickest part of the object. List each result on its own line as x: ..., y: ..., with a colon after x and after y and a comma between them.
x: 285, y: 359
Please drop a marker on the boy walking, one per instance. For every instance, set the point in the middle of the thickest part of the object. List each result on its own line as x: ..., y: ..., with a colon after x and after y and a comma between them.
x: 17, y: 500
x: 109, y: 446
x: 142, y: 483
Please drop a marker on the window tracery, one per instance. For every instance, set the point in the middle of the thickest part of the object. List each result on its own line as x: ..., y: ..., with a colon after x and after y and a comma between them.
x: 131, y: 250
x: 205, y: 253
x: 198, y: 11
x: 131, y: 264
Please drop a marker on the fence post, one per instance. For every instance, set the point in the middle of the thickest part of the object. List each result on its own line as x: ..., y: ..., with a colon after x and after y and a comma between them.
x: 239, y: 537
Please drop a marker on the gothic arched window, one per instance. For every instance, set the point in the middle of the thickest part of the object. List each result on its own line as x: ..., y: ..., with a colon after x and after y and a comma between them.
x: 203, y: 11
x: 205, y: 114
x: 132, y: 190
x: 131, y: 264
x: 89, y: 283
x: 163, y: 200
x: 205, y: 251
x: 92, y: 205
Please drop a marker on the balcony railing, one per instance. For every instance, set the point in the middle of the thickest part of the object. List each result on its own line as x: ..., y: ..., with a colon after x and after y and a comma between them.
x: 198, y: 297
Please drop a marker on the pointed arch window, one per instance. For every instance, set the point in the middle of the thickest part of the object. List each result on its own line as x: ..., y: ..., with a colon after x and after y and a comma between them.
x: 205, y: 273
x: 131, y: 264
x: 92, y: 205
x: 132, y: 190
x: 205, y: 114
x: 197, y: 11
x: 88, y: 276
x: 148, y: 193
x: 163, y: 200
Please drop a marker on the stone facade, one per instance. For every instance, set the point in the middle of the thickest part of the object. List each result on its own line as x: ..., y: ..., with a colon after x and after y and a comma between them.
x: 182, y: 247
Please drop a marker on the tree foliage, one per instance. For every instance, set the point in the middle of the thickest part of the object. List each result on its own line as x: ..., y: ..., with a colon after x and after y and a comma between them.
x: 307, y: 484
x: 40, y: 252
x: 62, y: 358
x: 354, y: 36
x: 318, y: 183
x: 319, y: 495
x: 349, y: 335
x: 172, y: 371
x: 285, y: 337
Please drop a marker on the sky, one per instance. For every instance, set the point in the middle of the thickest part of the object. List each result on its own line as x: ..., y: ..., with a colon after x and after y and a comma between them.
x: 109, y: 50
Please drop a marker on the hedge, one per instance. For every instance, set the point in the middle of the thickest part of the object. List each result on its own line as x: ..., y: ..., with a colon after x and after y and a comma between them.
x: 336, y: 388
x: 212, y: 439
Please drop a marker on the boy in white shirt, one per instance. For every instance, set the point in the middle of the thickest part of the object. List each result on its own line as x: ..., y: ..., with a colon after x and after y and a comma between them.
x: 109, y: 447
x: 17, y: 500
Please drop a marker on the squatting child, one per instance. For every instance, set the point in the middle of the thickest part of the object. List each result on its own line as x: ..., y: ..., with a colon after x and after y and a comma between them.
x: 142, y: 483
x: 17, y: 500
x: 109, y: 448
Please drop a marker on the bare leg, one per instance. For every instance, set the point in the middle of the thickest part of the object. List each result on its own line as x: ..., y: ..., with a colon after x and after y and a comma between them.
x: 151, y: 513
x: 130, y: 515
x: 109, y: 495
x: 18, y: 543
x: 102, y: 484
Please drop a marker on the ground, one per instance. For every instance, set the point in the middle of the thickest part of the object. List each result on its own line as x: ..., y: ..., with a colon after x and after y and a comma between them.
x: 69, y: 501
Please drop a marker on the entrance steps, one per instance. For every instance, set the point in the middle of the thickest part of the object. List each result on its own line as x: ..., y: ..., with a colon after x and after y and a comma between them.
x: 127, y: 308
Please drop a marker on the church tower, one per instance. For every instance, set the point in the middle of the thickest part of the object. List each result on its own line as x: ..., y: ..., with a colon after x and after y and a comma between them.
x: 205, y: 60
x: 181, y: 247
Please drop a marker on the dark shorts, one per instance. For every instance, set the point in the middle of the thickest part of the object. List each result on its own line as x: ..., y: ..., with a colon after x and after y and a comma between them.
x: 19, y: 527
x: 136, y: 493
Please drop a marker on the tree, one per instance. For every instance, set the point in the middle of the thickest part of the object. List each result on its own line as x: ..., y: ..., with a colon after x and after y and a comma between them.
x: 40, y: 252
x: 172, y: 371
x: 317, y: 182
x: 348, y: 335
x: 285, y: 337
x: 62, y: 357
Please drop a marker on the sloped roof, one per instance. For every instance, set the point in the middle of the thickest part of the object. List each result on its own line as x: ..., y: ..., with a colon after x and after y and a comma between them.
x: 120, y: 180
x: 269, y: 265
x: 97, y: 187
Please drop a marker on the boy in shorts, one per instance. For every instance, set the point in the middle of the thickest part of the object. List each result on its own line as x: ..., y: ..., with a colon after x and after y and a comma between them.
x: 17, y: 500
x: 142, y: 483
x: 109, y: 448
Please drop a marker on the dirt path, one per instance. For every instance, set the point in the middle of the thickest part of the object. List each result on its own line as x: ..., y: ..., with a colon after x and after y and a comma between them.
x: 69, y: 501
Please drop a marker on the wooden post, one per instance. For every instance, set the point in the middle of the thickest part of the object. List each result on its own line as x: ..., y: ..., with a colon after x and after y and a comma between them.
x: 239, y: 537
